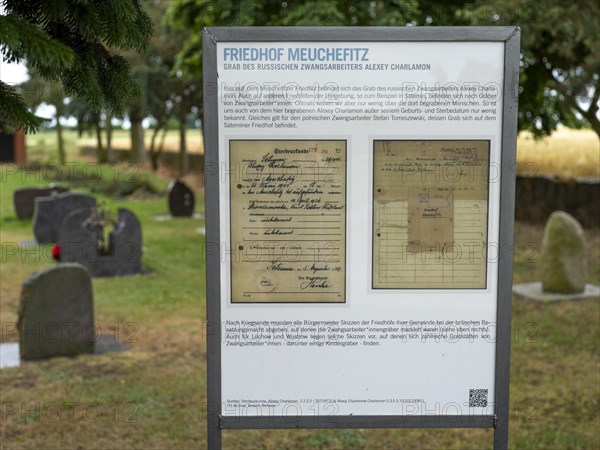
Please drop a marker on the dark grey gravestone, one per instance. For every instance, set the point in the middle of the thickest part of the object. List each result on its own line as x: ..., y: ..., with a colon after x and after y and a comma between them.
x: 24, y: 199
x: 181, y: 199
x: 56, y: 313
x: 50, y: 212
x: 79, y: 243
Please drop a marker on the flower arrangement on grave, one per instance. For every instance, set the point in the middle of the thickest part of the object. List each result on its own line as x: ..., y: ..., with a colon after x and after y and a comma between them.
x: 56, y: 251
x: 103, y: 222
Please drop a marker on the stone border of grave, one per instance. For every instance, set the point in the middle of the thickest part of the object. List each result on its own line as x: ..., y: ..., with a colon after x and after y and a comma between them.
x: 9, y: 355
x: 167, y: 217
x: 534, y: 291
x: 105, y: 343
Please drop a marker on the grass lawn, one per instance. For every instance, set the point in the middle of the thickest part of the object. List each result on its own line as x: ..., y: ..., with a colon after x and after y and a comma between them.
x: 153, y: 395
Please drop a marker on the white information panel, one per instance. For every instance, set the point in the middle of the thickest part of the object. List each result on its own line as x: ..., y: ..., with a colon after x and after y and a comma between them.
x: 359, y: 215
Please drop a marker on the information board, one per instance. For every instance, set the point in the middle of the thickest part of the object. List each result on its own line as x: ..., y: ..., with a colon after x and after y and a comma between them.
x: 360, y: 196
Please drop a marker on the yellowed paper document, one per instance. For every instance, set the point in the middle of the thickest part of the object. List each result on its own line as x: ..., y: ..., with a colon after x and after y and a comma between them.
x: 430, y: 214
x: 288, y: 221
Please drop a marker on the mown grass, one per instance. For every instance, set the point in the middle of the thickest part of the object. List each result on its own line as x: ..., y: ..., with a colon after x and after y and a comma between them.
x: 155, y: 389
x: 153, y: 395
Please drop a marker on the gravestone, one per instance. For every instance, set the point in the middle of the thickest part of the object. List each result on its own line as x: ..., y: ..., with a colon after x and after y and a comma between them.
x: 24, y: 199
x: 181, y: 199
x: 56, y: 313
x: 563, y: 262
x: 79, y: 242
x: 49, y: 213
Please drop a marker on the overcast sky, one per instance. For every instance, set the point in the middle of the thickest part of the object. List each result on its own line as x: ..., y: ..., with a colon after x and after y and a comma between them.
x: 13, y: 73
x: 16, y: 74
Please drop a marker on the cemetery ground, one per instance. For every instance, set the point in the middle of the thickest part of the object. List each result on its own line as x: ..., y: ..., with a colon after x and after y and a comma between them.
x: 153, y: 395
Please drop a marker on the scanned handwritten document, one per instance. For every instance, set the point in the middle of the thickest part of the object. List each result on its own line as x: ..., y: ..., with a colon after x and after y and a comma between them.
x: 430, y: 214
x: 288, y: 221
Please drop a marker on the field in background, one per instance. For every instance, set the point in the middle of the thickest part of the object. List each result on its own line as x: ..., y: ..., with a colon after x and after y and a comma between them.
x: 567, y: 153
x: 43, y: 145
x: 122, y: 141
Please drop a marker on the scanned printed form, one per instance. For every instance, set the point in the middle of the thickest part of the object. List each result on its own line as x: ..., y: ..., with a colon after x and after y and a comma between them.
x: 288, y: 221
x: 430, y: 209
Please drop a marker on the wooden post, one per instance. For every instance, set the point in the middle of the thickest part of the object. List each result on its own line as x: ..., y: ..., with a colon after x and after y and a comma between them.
x: 19, y: 142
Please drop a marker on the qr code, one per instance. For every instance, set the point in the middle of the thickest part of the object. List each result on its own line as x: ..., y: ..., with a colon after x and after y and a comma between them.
x: 478, y: 398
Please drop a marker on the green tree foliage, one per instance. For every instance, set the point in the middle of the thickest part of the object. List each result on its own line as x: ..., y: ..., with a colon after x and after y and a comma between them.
x: 560, y: 41
x: 68, y: 41
x: 170, y: 94
x: 195, y: 14
x: 560, y: 60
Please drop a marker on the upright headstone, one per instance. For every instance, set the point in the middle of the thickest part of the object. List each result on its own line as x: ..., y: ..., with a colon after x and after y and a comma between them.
x: 563, y: 262
x: 24, y: 199
x: 181, y: 199
x: 56, y: 313
x: 49, y: 213
x: 79, y: 242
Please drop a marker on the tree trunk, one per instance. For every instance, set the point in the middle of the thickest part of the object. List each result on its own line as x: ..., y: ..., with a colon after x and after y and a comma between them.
x: 101, y: 152
x: 590, y: 113
x: 154, y: 153
x: 184, y: 163
x: 162, y: 139
x: 61, y: 143
x: 595, y: 123
x: 80, y: 126
x: 109, y: 150
x: 138, y: 150
x: 592, y: 118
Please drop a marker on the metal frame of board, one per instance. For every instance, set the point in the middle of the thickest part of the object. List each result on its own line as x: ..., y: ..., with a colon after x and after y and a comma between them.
x: 511, y: 38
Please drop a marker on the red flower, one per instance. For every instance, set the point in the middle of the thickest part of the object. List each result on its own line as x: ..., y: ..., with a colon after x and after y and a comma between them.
x: 56, y: 251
